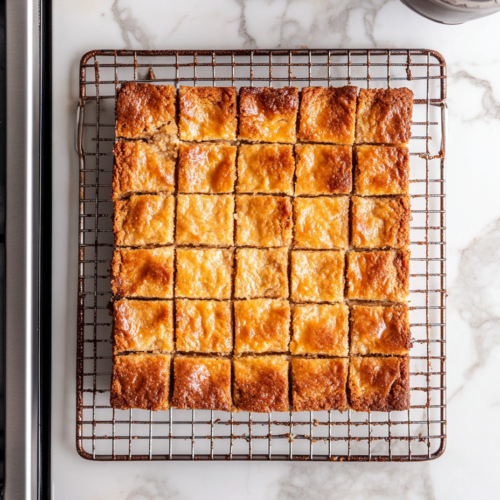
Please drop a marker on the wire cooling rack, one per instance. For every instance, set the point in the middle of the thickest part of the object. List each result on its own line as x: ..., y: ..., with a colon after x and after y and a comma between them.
x: 419, y: 433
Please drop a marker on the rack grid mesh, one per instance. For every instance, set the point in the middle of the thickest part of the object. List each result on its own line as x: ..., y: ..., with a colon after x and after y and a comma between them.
x: 103, y: 433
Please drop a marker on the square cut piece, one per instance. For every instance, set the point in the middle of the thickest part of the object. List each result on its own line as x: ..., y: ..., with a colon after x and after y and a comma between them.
x: 268, y: 114
x: 207, y: 168
x: 265, y: 168
x: 263, y: 221
x: 321, y: 223
x: 143, y: 273
x: 207, y: 113
x: 140, y: 381
x: 382, y: 170
x: 323, y: 169
x: 140, y: 325
x: 328, y: 114
x: 261, y: 325
x: 320, y: 329
x: 144, y: 110
x: 144, y: 220
x: 143, y: 168
x: 261, y: 384
x: 380, y: 330
x: 379, y: 384
x: 202, y: 383
x: 384, y: 116
x: 261, y: 273
x: 319, y: 384
x: 203, y: 326
x: 382, y: 275
x: 380, y: 222
x: 204, y: 273
x: 317, y: 276
x: 205, y: 219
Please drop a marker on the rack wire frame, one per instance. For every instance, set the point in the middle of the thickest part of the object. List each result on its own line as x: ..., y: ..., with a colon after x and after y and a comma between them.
x: 103, y: 433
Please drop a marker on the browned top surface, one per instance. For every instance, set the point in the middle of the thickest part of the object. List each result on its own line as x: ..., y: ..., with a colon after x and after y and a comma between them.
x: 202, y: 383
x: 140, y: 381
x: 384, y: 116
x: 328, y: 114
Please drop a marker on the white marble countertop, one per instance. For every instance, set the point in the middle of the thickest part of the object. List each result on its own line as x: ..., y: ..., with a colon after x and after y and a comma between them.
x: 469, y: 467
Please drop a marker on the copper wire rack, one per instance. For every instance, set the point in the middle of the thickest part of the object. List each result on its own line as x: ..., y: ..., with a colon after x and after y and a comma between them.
x: 103, y: 433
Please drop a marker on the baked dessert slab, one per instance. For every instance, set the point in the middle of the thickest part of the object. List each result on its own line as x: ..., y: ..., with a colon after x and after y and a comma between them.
x: 203, y: 273
x: 380, y: 222
x: 261, y: 384
x: 207, y: 113
x: 261, y: 325
x: 379, y: 384
x: 319, y: 384
x: 203, y: 326
x: 263, y: 221
x: 384, y: 116
x: 143, y: 325
x: 268, y: 114
x: 382, y: 170
x: 381, y: 275
x: 144, y: 220
x: 261, y: 273
x: 140, y: 168
x: 323, y: 169
x: 207, y: 168
x: 143, y: 273
x: 140, y: 381
x: 328, y: 114
x: 380, y: 330
x: 202, y: 383
x: 321, y: 223
x: 320, y: 329
x: 317, y: 276
x: 205, y: 219
x: 265, y: 168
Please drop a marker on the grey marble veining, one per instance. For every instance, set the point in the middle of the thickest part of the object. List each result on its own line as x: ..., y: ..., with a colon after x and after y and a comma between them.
x: 469, y: 467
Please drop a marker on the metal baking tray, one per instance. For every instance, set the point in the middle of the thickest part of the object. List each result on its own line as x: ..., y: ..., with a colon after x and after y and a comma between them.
x: 417, y: 434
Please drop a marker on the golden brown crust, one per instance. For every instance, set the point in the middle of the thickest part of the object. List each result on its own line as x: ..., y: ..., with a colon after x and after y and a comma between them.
x: 143, y: 110
x: 140, y: 325
x: 317, y: 276
x: 140, y: 381
x: 319, y: 384
x: 207, y: 168
x: 321, y: 223
x: 382, y: 275
x: 328, y: 114
x: 268, y: 114
x: 380, y: 222
x: 204, y: 273
x: 207, y: 113
x: 320, y: 329
x: 379, y: 384
x: 384, y: 116
x: 144, y: 220
x: 261, y: 273
x: 143, y: 168
x: 382, y: 170
x: 380, y: 330
x: 261, y: 384
x: 263, y: 221
x: 202, y: 383
x: 261, y: 325
x: 143, y: 273
x: 203, y: 326
x: 265, y: 168
x: 323, y: 169
x: 205, y: 219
